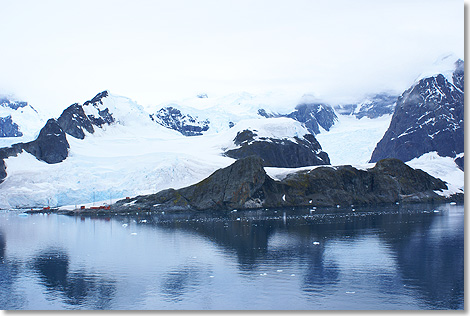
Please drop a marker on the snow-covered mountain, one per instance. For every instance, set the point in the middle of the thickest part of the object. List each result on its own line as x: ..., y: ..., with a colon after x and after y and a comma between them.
x: 19, y: 121
x: 126, y: 156
x: 110, y: 147
x: 429, y: 117
x: 371, y: 106
x: 187, y: 125
x: 199, y: 116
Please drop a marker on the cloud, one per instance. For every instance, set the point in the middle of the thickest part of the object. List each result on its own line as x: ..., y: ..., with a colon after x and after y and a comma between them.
x: 56, y: 53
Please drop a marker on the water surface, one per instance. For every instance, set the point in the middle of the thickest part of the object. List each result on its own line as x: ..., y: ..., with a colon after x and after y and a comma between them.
x: 400, y: 257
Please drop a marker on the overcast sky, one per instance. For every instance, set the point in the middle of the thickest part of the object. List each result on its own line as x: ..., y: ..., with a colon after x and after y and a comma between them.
x: 55, y: 53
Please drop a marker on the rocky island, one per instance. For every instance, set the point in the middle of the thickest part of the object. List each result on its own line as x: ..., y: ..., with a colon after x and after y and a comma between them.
x: 245, y: 185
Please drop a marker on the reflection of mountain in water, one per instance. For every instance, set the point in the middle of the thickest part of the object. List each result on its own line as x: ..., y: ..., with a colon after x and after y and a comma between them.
x: 431, y: 263
x: 79, y: 288
x: 424, y: 257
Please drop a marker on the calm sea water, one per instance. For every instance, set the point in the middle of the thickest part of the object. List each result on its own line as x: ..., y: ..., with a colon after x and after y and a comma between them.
x: 409, y: 257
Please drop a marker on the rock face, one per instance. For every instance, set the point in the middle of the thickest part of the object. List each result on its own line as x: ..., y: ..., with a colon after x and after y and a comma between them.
x: 286, y: 153
x: 103, y: 116
x: 428, y: 117
x: 245, y: 185
x: 314, y: 115
x: 8, y: 128
x: 311, y: 115
x: 51, y: 145
x: 372, y: 107
x: 187, y: 125
x: 74, y: 121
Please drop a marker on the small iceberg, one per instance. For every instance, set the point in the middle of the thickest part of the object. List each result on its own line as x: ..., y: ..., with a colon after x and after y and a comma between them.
x: 453, y: 203
x: 316, y: 242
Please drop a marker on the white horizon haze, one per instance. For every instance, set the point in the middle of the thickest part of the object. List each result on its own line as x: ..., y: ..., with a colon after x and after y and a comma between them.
x: 56, y: 53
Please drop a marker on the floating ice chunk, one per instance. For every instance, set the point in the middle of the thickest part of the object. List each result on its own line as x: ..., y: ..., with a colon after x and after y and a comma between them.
x: 263, y: 274
x: 233, y: 211
x: 23, y: 214
x: 143, y: 221
x: 453, y: 203
x: 310, y: 201
x: 292, y: 274
x: 133, y: 234
x: 211, y: 276
x: 238, y: 218
x: 279, y: 270
x: 436, y: 211
x: 316, y: 242
x: 284, y: 197
x: 350, y: 292
x: 124, y: 225
x: 337, y: 206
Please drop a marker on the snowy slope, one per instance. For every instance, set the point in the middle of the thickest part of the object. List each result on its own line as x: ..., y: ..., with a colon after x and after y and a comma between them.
x: 443, y: 168
x: 126, y: 160
x: 352, y: 140
x: 224, y: 111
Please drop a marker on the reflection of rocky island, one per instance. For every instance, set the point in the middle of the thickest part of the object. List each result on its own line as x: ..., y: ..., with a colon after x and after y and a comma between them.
x: 260, y: 237
x: 245, y: 185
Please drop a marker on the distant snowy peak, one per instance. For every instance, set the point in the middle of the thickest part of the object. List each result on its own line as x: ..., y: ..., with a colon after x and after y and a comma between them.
x: 429, y: 116
x: 18, y: 118
x: 15, y: 105
x: 107, y: 108
x: 311, y: 115
x: 371, y: 106
x: 103, y: 109
x: 187, y: 125
x: 314, y: 116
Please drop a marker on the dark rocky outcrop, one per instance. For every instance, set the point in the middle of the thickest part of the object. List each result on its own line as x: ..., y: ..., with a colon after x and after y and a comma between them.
x: 245, y: 185
x: 104, y: 116
x: 187, y: 125
x: 74, y: 121
x: 299, y: 152
x: 428, y: 117
x: 372, y: 107
x: 51, y: 145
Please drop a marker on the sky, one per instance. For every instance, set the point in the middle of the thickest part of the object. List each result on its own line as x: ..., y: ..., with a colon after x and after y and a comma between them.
x: 56, y: 53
